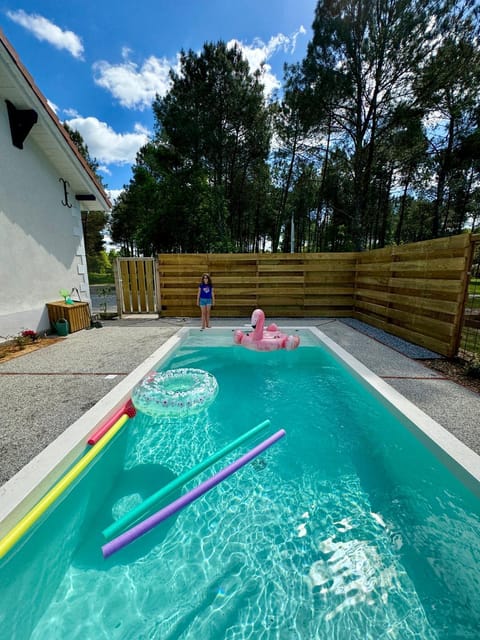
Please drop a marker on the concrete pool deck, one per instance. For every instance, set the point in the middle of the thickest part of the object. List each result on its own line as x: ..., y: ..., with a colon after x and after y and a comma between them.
x: 46, y: 391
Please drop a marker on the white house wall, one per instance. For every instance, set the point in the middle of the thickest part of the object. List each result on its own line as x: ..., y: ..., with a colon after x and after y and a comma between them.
x: 41, y: 240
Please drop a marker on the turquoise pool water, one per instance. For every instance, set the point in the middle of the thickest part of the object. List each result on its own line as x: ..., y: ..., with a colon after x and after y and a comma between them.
x: 347, y: 528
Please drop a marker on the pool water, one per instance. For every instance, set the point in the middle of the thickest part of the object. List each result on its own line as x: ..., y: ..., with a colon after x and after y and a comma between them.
x: 346, y: 528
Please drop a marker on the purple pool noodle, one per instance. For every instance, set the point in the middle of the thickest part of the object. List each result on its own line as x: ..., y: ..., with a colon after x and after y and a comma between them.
x: 149, y: 523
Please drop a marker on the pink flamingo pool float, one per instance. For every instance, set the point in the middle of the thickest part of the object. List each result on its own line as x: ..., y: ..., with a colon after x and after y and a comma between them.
x: 260, y: 339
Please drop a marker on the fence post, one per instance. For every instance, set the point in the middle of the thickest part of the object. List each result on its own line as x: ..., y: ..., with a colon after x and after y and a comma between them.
x: 474, y: 239
x: 118, y: 287
x: 156, y: 284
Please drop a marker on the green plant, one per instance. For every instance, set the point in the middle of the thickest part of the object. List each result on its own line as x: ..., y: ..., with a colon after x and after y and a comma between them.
x: 21, y: 339
x: 30, y: 334
x: 473, y: 367
x: 100, y: 278
x: 24, y: 337
x: 104, y: 293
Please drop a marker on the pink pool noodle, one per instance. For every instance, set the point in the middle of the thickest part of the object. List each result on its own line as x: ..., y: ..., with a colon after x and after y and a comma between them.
x: 127, y: 408
x: 149, y: 523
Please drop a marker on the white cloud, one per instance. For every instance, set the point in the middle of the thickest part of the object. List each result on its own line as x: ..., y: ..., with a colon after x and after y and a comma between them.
x: 53, y: 106
x: 106, y: 145
x: 114, y: 194
x: 44, y: 30
x: 258, y: 53
x: 135, y: 87
x: 71, y: 113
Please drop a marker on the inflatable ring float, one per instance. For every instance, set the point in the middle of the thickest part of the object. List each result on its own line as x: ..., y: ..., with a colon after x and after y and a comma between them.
x: 175, y: 392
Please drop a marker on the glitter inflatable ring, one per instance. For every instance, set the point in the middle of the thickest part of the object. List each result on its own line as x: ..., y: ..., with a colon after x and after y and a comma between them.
x: 175, y: 393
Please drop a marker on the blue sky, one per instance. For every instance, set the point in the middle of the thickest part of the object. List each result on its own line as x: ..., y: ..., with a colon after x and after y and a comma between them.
x: 100, y: 64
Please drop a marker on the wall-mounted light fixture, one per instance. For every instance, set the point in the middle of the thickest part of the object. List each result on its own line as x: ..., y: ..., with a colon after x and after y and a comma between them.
x: 21, y: 122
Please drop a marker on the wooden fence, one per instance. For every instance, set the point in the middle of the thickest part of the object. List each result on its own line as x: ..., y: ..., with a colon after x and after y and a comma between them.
x: 290, y: 285
x: 415, y: 291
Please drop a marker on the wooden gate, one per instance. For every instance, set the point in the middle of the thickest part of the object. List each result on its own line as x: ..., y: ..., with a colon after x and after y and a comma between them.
x: 136, y: 285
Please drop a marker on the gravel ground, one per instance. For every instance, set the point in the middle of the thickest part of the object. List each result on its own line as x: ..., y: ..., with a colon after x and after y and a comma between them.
x: 407, y: 348
x: 452, y: 368
x: 455, y: 369
x: 44, y: 392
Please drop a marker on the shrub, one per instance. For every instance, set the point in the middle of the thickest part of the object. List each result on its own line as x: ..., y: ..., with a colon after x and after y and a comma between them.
x: 473, y: 367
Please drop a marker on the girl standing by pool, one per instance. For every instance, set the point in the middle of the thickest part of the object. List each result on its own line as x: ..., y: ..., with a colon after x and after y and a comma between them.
x: 205, y: 299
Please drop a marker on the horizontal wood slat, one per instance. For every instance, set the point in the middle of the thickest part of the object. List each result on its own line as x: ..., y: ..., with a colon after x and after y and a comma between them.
x: 414, y: 291
x: 291, y: 285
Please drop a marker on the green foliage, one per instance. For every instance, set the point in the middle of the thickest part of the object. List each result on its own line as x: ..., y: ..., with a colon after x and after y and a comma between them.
x: 93, y: 222
x: 100, y: 278
x: 100, y: 263
x: 473, y: 367
x: 376, y: 140
x: 200, y: 184
x: 100, y: 267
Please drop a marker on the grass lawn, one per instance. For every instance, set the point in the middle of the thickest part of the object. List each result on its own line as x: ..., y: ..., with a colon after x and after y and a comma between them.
x: 473, y: 301
x: 471, y: 340
x: 470, y: 335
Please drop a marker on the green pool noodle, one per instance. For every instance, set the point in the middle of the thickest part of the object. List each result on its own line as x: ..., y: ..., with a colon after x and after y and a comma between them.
x: 140, y: 510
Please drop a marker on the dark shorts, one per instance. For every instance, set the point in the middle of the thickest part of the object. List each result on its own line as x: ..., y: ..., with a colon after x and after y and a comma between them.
x: 205, y: 301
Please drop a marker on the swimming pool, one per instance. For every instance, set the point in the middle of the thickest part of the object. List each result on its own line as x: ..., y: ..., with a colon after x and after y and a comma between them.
x: 349, y: 527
